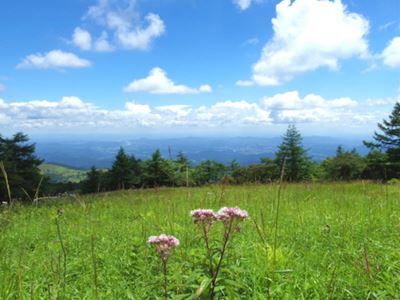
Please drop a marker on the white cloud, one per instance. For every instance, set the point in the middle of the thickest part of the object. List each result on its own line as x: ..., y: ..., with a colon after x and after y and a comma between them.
x: 292, y: 100
x: 230, y: 112
x: 3, y: 104
x: 391, y: 54
x: 243, y: 4
x: 157, y: 82
x: 72, y: 112
x: 102, y: 44
x: 289, y: 107
x: 140, y: 38
x: 124, y: 24
x: 55, y: 59
x: 180, y: 111
x: 309, y: 34
x: 82, y: 39
x: 138, y: 108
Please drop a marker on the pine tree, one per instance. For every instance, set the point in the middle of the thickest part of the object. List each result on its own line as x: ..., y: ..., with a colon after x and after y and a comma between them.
x: 121, y: 176
x: 182, y: 160
x: 182, y: 170
x: 92, y: 183
x: 292, y: 154
x: 158, y: 172
x: 388, y: 140
x: 21, y: 165
x: 208, y: 171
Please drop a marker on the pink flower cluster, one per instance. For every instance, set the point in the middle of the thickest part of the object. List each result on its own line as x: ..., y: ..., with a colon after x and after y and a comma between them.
x: 232, y: 213
x: 164, y: 244
x: 203, y: 215
x: 224, y: 214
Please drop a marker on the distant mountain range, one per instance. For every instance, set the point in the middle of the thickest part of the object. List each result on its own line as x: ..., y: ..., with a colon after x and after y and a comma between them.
x: 245, y: 150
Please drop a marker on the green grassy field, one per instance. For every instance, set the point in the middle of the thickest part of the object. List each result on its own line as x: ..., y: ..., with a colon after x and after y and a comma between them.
x: 334, y: 241
x: 58, y: 173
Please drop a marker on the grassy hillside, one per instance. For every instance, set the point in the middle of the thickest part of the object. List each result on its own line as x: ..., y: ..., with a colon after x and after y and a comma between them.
x: 334, y: 241
x: 58, y: 173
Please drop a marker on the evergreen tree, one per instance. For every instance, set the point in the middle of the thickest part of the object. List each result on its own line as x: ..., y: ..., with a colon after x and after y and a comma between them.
x: 158, y: 172
x: 388, y: 140
x: 208, y: 171
x: 21, y: 165
x: 182, y: 170
x: 92, y: 184
x: 376, y: 166
x: 182, y: 160
x: 136, y: 171
x: 294, y: 156
x: 121, y: 173
x: 233, y: 167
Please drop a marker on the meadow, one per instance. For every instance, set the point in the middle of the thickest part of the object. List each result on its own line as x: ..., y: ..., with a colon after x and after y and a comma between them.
x: 59, y: 173
x: 330, y: 241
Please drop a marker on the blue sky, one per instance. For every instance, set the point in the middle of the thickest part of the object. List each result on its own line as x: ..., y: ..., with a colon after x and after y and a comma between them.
x: 237, y: 67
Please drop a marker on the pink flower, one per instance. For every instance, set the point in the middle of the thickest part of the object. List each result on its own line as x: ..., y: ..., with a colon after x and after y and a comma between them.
x: 232, y: 213
x: 203, y: 215
x: 164, y: 244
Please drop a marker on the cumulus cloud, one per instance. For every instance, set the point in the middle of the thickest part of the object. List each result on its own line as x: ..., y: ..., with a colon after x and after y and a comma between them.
x: 55, y: 59
x: 292, y: 100
x: 140, y: 37
x: 309, y: 34
x: 228, y: 112
x: 391, y: 54
x: 283, y: 108
x: 82, y: 39
x: 291, y: 107
x: 123, y: 23
x: 157, y: 82
x: 72, y: 112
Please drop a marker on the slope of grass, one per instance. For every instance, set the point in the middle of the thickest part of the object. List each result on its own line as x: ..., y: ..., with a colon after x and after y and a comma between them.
x: 335, y: 241
x: 58, y: 173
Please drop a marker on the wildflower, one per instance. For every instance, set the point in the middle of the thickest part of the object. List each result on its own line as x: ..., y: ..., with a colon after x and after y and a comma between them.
x: 232, y: 213
x: 164, y: 244
x: 205, y: 218
x: 203, y: 215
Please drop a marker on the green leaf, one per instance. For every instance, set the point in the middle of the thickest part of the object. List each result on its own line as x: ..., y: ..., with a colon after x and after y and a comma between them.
x: 203, y: 286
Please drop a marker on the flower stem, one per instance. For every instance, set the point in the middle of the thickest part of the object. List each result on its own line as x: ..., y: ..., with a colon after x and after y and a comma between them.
x: 63, y: 251
x: 209, y: 254
x: 164, y: 261
x: 227, y: 234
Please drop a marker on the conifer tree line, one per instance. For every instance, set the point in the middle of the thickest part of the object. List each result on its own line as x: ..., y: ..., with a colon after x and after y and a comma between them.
x: 21, y: 166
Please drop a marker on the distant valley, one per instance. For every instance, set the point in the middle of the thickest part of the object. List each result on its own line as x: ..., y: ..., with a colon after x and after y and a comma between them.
x: 245, y: 150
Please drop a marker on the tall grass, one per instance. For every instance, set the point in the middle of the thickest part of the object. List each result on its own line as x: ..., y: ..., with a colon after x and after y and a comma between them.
x: 5, y: 176
x: 336, y: 241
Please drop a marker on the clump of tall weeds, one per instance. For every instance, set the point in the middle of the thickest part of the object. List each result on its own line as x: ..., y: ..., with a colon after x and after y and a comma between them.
x: 230, y: 217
